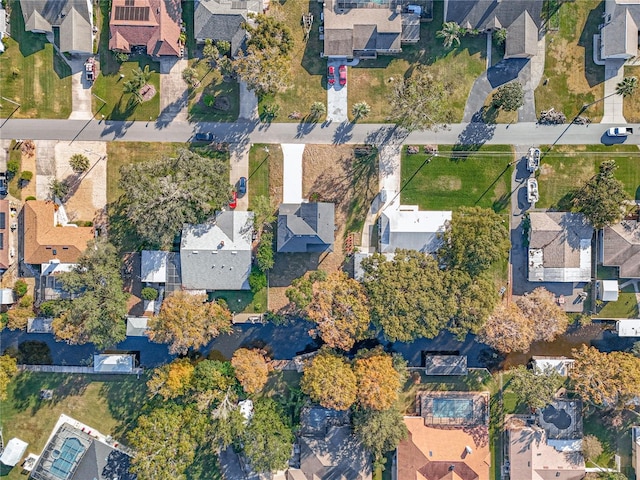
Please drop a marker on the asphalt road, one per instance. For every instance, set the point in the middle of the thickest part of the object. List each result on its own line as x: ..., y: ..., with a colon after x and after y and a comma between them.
x: 320, y: 133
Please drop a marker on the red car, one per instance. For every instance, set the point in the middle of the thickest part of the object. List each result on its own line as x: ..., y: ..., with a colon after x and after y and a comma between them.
x: 343, y: 74
x: 331, y: 75
x: 233, y: 203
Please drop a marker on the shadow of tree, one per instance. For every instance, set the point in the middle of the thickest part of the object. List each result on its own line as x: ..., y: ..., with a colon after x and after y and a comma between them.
x: 27, y: 387
x: 126, y: 398
x: 474, y: 135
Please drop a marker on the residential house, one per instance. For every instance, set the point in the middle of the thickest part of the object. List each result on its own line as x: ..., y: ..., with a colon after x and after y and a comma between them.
x: 69, y: 22
x: 217, y: 255
x: 153, y: 26
x: 550, y: 446
x: 621, y: 248
x: 367, y: 28
x: 306, y: 227
x: 635, y: 451
x: 47, y: 238
x: 619, y: 29
x: 559, y: 247
x: 76, y: 451
x: 328, y: 448
x: 445, y: 365
x: 221, y: 20
x: 409, y: 228
x: 521, y: 18
x: 4, y: 233
x: 449, y: 439
x: 561, y: 365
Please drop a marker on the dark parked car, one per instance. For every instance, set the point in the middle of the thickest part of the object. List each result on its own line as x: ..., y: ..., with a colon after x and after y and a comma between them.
x: 3, y: 184
x: 204, y: 137
x: 242, y: 186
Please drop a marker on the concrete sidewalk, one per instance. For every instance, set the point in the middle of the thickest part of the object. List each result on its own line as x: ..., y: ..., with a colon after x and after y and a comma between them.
x: 292, y: 170
x: 613, y: 108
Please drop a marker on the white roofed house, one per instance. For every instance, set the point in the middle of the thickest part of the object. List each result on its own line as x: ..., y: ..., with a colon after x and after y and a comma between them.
x: 411, y: 229
x: 217, y: 255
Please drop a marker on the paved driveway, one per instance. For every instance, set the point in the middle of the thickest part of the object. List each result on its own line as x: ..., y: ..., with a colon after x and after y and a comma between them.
x: 337, y: 106
x: 173, y: 90
x: 80, y: 90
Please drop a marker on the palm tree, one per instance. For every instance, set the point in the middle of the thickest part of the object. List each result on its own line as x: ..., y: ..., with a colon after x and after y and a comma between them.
x: 317, y: 109
x: 360, y: 110
x: 141, y: 77
x: 133, y: 88
x: 627, y: 86
x: 450, y: 32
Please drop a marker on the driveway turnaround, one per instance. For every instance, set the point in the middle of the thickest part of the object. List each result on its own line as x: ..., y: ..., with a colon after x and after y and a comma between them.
x: 292, y: 173
x: 337, y: 106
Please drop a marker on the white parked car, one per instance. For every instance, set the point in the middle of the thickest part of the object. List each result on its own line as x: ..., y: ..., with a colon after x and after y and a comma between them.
x: 620, y: 131
x: 532, y: 190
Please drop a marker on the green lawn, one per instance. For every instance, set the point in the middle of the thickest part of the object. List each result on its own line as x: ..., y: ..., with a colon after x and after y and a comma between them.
x: 457, y: 68
x: 481, y: 178
x: 258, y: 172
x: 615, y: 441
x: 625, y: 307
x: 106, y: 403
x: 307, y: 68
x: 566, y: 168
x: 573, y: 79
x: 108, y: 84
x: 243, y: 301
x: 212, y: 84
x: 33, y: 75
x: 15, y: 154
x: 126, y: 153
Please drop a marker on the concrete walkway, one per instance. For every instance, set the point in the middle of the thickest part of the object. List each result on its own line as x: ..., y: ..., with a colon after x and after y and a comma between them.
x: 248, y: 103
x: 174, y: 95
x: 292, y: 173
x: 530, y: 80
x: 80, y: 89
x: 239, y: 153
x: 613, y: 74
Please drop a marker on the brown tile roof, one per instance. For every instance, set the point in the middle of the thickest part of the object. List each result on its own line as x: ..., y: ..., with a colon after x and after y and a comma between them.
x: 158, y: 28
x: 440, y: 453
x: 621, y: 248
x: 5, y: 220
x: 45, y: 241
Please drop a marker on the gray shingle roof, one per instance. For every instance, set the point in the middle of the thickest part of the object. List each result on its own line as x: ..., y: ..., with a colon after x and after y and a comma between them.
x: 73, y: 17
x: 306, y: 227
x: 522, y: 37
x: 619, y: 36
x: 558, y: 234
x: 217, y: 256
x: 222, y: 20
x: 621, y: 248
x: 483, y: 14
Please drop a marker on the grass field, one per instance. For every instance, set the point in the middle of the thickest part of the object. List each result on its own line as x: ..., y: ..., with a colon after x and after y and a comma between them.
x: 211, y: 83
x: 631, y: 104
x: 108, y: 84
x: 126, y: 153
x: 307, y: 68
x: 33, y: 75
x: 625, y: 307
x: 243, y: 301
x: 566, y: 168
x: 106, y: 403
x: 15, y: 155
x: 456, y: 68
x: 265, y: 173
x: 573, y: 79
x: 481, y: 178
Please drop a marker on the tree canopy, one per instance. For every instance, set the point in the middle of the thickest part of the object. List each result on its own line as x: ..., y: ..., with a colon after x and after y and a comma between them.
x: 252, y: 369
x: 162, y: 195
x: 329, y: 380
x: 507, y: 329
x: 171, y: 380
x: 377, y: 380
x: 535, y: 389
x: 605, y: 379
x: 165, y: 441
x: 267, y: 439
x: 8, y: 369
x: 420, y: 102
x: 96, y: 315
x: 340, y: 309
x: 188, y: 321
x: 475, y: 299
x: 601, y: 199
x: 509, y: 97
x: 549, y: 319
x: 474, y: 240
x: 408, y: 295
x: 379, y: 431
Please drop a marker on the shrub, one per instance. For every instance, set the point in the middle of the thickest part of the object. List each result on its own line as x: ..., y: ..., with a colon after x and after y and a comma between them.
x: 29, y: 198
x: 15, y: 71
x: 149, y: 293
x: 79, y: 163
x: 13, y: 167
x: 20, y: 288
x: 209, y: 100
x: 54, y: 308
x: 121, y: 57
x: 26, y: 176
x: 257, y: 280
x: 275, y: 318
x: 264, y: 255
x: 59, y: 189
x: 509, y: 97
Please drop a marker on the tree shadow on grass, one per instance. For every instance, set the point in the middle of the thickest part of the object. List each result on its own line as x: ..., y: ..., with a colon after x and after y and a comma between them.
x: 26, y: 394
x: 126, y: 398
x: 121, y: 231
